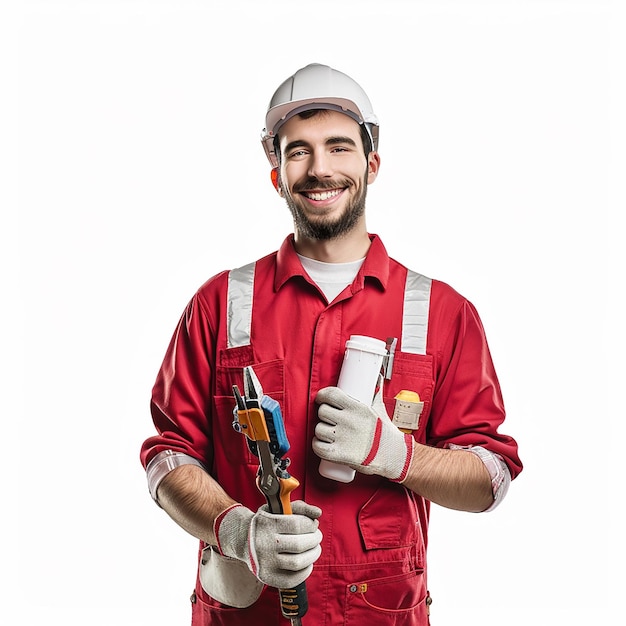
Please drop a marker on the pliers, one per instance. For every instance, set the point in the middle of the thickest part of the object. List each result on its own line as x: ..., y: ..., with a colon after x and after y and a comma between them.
x: 259, y: 418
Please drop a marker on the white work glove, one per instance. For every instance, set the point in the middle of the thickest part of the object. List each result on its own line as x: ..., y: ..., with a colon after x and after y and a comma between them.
x: 362, y: 437
x: 278, y: 549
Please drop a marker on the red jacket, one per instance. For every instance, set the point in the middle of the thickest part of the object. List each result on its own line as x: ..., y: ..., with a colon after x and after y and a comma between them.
x: 373, y: 563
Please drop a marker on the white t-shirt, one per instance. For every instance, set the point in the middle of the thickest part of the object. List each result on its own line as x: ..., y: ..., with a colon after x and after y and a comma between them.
x: 331, y: 278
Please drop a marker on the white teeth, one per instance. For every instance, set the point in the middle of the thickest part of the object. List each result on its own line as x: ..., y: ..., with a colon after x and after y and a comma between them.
x: 325, y: 195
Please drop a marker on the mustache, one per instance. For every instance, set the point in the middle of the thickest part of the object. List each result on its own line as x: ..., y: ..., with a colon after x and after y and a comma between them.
x: 314, y: 184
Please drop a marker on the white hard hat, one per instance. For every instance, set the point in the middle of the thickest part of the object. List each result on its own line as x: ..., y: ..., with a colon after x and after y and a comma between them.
x: 317, y: 87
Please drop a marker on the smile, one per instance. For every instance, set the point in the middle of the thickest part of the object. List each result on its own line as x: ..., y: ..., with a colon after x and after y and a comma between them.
x: 322, y: 195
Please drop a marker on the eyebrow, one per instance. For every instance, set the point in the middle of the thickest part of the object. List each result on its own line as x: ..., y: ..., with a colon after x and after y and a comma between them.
x: 331, y: 141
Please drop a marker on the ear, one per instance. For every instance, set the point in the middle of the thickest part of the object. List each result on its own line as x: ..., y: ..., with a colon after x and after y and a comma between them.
x: 276, y: 180
x: 373, y: 165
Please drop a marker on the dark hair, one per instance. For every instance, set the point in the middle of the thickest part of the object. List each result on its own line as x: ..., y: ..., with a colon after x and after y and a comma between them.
x: 305, y: 115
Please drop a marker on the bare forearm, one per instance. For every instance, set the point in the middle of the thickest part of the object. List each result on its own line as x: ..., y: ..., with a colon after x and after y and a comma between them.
x: 455, y: 479
x: 193, y: 499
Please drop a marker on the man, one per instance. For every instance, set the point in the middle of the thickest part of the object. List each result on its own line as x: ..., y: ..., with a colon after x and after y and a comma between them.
x: 360, y: 545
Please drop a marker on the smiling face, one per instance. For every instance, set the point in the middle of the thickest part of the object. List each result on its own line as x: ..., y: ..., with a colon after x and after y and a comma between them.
x: 324, y: 174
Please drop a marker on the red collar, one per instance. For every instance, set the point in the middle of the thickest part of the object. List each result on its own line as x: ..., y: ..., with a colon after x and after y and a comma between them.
x: 376, y: 264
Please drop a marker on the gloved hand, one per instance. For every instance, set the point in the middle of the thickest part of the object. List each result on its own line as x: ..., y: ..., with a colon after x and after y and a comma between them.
x: 278, y: 549
x: 360, y: 436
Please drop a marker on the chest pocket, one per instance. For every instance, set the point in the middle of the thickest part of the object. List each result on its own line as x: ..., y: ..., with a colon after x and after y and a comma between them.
x: 411, y: 372
x: 229, y: 372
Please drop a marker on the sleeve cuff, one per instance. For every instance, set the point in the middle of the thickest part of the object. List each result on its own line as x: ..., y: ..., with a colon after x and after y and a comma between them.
x: 162, y: 464
x: 498, y: 471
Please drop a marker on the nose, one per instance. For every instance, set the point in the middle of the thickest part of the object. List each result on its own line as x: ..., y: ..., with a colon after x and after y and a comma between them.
x: 320, y: 165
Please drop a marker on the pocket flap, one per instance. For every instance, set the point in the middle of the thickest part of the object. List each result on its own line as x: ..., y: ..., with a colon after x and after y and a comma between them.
x: 388, y: 519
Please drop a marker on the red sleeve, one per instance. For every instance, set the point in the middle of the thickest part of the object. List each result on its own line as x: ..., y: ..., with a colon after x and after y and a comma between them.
x: 467, y: 407
x: 180, y: 403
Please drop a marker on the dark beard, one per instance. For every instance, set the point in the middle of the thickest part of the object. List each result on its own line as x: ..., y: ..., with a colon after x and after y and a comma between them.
x: 325, y: 229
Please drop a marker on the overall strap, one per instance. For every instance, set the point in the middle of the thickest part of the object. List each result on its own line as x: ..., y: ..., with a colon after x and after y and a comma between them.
x: 240, y: 295
x: 415, y: 313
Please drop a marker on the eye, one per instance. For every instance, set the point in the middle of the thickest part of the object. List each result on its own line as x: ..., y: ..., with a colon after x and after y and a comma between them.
x: 297, y: 154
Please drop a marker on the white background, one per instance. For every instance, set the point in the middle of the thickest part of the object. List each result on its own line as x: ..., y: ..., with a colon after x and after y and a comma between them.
x: 135, y: 172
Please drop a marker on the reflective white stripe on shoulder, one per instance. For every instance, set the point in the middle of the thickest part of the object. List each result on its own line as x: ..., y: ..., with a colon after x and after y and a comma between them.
x: 240, y: 294
x: 415, y: 315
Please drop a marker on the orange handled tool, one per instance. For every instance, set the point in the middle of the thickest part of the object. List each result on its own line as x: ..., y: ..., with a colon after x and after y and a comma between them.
x: 259, y: 418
